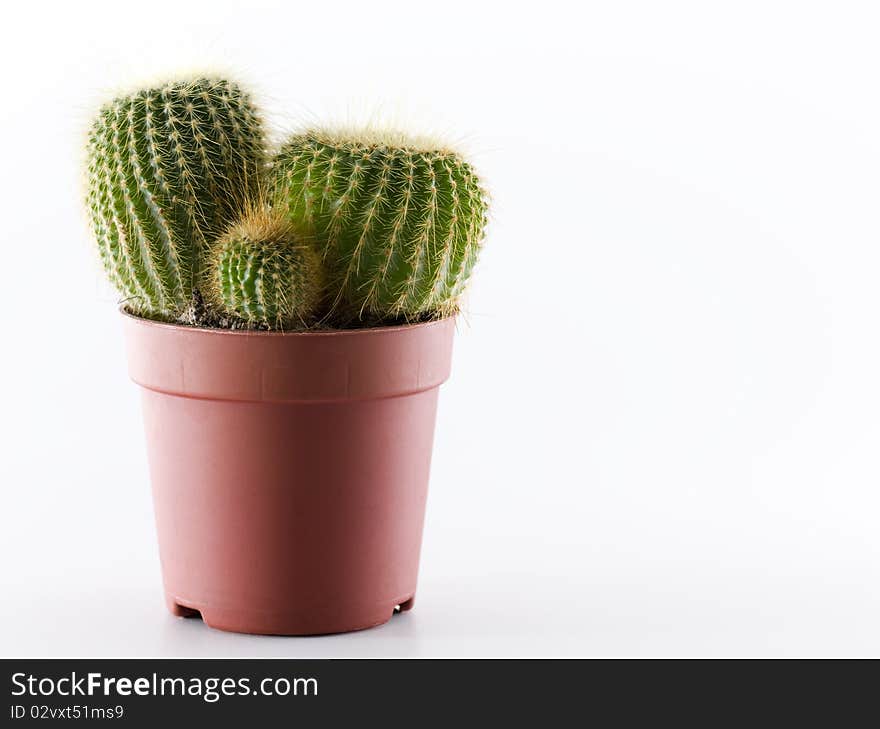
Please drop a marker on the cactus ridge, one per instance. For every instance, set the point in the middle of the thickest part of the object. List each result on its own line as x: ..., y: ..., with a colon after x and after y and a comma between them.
x: 263, y: 274
x: 169, y: 168
x: 399, y: 224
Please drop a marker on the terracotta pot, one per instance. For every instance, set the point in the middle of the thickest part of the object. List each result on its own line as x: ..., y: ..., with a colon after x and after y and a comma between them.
x: 289, y: 470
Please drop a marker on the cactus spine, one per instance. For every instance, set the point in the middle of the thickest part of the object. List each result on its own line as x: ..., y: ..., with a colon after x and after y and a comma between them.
x: 399, y: 223
x: 262, y: 274
x: 168, y: 169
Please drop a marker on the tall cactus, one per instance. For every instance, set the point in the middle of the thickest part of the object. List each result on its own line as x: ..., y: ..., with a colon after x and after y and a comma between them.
x: 261, y: 273
x: 168, y: 169
x: 399, y: 222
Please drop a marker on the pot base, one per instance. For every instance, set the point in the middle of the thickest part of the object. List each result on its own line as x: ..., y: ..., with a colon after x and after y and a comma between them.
x: 305, y: 622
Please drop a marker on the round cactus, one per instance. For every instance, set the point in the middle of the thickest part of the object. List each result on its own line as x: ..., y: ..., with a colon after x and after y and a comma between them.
x: 261, y: 273
x: 168, y: 170
x: 399, y: 222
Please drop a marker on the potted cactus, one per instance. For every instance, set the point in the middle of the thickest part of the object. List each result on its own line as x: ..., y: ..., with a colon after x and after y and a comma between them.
x: 289, y: 317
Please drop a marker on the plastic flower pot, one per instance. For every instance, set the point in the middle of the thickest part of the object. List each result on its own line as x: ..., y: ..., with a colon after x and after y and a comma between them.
x: 289, y: 470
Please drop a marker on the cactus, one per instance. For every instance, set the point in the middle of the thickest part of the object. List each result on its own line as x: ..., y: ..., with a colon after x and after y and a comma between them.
x: 168, y: 170
x: 399, y: 222
x: 263, y: 274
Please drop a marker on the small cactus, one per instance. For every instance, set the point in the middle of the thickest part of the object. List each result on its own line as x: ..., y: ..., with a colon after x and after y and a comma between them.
x: 399, y: 223
x: 262, y: 274
x: 168, y: 170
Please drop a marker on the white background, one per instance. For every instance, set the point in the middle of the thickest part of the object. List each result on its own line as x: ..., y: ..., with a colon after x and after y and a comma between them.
x: 662, y: 433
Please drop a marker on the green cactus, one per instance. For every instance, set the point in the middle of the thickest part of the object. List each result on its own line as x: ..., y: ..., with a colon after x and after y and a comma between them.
x: 168, y: 170
x: 261, y: 273
x: 399, y: 222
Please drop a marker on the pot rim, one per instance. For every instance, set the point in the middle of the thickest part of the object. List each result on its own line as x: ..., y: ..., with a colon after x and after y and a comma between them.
x: 335, y: 365
x: 275, y: 333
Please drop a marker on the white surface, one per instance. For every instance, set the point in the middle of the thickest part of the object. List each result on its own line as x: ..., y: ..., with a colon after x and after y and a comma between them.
x: 662, y: 434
